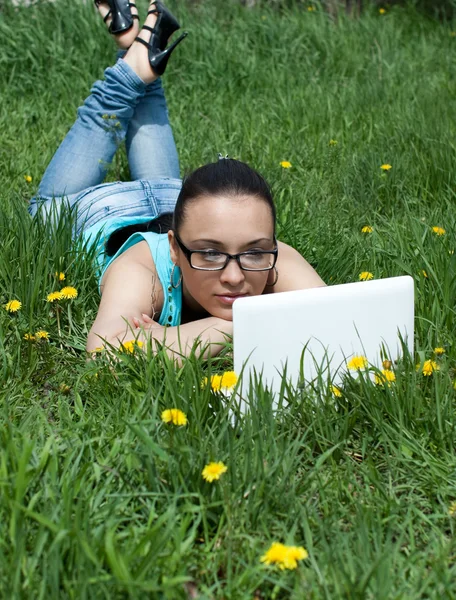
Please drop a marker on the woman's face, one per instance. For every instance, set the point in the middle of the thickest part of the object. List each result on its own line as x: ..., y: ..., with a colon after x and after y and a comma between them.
x: 223, y: 224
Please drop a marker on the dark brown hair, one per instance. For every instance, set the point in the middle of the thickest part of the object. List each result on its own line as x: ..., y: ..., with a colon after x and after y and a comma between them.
x: 226, y: 177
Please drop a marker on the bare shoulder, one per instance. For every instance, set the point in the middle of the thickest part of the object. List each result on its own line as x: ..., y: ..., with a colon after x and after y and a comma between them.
x: 139, y: 254
x: 130, y: 288
x: 295, y: 273
x: 132, y: 280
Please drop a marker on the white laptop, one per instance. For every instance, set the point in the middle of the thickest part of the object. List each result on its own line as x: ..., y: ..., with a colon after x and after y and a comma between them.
x: 318, y: 330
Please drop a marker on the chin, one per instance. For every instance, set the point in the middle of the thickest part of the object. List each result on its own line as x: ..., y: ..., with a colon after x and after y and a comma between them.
x: 222, y: 313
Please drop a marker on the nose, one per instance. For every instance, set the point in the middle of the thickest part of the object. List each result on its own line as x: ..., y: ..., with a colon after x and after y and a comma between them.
x: 232, y: 274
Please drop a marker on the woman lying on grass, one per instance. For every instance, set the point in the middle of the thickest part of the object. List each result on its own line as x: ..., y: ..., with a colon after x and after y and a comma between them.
x: 173, y: 256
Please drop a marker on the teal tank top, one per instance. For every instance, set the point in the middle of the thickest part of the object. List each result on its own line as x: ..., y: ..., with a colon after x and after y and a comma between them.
x: 159, y: 249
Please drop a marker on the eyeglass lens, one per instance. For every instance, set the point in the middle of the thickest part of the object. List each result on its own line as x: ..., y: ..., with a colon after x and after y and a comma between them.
x: 215, y: 260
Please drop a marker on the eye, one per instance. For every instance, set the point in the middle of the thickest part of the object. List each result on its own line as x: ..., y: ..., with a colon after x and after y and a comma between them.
x: 255, y: 255
x: 212, y: 255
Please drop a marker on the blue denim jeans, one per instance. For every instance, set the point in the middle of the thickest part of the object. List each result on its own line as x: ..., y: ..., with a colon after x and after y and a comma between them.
x: 120, y: 108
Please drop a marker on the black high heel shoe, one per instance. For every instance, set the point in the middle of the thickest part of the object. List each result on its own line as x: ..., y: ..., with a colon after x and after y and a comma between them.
x: 120, y: 11
x: 165, y: 26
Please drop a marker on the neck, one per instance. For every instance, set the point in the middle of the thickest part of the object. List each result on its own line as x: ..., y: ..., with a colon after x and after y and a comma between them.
x: 191, y: 310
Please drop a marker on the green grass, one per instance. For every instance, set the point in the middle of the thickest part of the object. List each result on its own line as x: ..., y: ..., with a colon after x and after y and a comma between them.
x: 98, y: 498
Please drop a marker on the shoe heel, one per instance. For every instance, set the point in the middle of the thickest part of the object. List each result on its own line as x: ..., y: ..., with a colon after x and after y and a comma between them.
x: 165, y: 26
x: 160, y: 60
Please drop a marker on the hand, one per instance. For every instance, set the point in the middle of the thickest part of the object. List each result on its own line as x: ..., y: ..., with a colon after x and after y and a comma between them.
x: 146, y: 323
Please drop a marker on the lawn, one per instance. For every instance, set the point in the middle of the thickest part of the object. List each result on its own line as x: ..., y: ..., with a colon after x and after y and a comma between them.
x: 99, y: 497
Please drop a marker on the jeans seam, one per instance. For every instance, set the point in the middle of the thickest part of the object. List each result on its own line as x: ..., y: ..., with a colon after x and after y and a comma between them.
x: 149, y: 195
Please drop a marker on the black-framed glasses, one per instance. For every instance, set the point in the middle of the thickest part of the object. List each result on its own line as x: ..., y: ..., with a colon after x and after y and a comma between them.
x: 214, y: 260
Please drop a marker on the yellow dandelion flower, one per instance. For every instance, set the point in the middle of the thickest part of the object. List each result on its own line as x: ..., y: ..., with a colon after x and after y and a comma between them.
x: 275, y: 555
x: 387, y: 364
x: 333, y: 142
x: 336, y: 391
x: 128, y: 346
x: 64, y: 388
x: 131, y: 345
x: 367, y: 229
x: 386, y: 167
x: 357, y: 362
x: 439, y: 351
x: 311, y: 8
x: 386, y: 376
x: 429, y: 367
x: 439, y: 230
x: 216, y: 382
x: 174, y: 416
x: 424, y: 273
x: 223, y: 382
x: 53, y: 296
x: 214, y: 471
x: 13, y: 306
x: 29, y: 337
x: 285, y: 557
x: 294, y: 554
x: 285, y: 164
x: 28, y: 178
x: 382, y: 11
x: 42, y: 335
x: 366, y: 276
x: 68, y: 292
x: 60, y: 276
x: 228, y: 380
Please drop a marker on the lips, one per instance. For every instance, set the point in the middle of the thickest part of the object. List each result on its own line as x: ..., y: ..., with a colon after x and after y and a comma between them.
x: 232, y: 295
x: 229, y: 298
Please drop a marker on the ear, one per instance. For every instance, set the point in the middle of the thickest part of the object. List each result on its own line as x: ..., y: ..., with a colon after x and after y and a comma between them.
x: 173, y: 248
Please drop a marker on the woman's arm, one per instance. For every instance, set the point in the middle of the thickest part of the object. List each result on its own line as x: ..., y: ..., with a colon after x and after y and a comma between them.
x: 206, y: 337
x: 129, y: 289
x: 295, y: 273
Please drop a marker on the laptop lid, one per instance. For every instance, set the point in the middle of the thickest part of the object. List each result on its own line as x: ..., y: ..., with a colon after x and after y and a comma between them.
x: 334, y: 323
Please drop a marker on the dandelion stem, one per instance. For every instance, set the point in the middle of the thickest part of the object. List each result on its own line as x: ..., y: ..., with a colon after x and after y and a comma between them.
x: 57, y: 316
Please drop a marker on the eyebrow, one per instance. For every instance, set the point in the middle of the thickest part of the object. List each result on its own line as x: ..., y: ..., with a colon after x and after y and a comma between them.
x: 219, y: 243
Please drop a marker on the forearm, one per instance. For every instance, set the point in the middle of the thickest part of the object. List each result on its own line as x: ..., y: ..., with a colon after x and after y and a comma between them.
x: 205, y: 337
x: 112, y: 330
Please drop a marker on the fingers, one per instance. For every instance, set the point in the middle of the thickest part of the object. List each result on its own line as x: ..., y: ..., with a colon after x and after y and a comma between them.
x: 146, y: 320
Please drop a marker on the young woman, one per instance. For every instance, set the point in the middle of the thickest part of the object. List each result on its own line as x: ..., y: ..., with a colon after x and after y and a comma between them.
x: 172, y: 256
